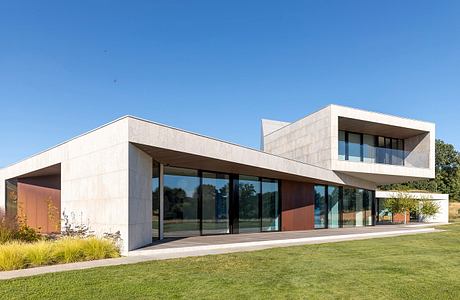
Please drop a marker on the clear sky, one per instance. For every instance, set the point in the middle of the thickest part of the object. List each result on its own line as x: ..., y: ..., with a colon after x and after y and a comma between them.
x: 218, y: 67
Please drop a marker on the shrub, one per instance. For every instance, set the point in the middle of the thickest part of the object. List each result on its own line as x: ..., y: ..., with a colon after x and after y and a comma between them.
x: 14, y: 228
x: 39, y: 254
x: 12, y: 256
x: 8, y: 228
x: 18, y: 255
x: 95, y: 248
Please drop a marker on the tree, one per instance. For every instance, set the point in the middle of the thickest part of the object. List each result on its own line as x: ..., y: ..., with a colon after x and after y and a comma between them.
x: 402, y: 203
x: 447, y: 168
x: 428, y: 208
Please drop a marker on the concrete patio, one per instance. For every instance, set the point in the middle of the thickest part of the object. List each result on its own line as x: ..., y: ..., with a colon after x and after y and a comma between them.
x: 219, y: 244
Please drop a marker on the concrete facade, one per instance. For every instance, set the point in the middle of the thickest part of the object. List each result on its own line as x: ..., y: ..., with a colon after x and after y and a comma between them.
x: 106, y: 174
x: 314, y: 140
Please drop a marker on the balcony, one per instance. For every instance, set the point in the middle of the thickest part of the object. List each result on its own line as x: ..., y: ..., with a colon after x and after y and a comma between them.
x: 356, y: 147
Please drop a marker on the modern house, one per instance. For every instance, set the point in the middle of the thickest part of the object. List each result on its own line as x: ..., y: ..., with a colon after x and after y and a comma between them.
x: 151, y: 181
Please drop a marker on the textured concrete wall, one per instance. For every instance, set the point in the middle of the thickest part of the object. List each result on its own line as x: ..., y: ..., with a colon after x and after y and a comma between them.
x: 307, y: 140
x: 418, y: 148
x: 95, y: 180
x: 140, y: 198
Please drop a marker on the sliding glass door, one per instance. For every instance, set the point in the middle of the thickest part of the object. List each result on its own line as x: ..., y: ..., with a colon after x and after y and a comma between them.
x: 215, y: 190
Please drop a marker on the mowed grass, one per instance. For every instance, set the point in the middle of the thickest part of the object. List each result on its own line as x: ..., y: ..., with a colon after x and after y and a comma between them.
x: 424, y: 266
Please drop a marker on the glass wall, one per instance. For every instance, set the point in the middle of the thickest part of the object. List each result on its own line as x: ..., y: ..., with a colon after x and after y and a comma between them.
x: 156, y: 203
x: 270, y: 205
x: 354, y: 147
x: 371, y: 148
x: 359, y: 208
x: 342, y: 144
x: 11, y: 197
x: 368, y: 200
x: 181, y: 195
x: 248, y: 206
x: 348, y: 207
x: 320, y: 206
x: 215, y: 207
x: 333, y: 197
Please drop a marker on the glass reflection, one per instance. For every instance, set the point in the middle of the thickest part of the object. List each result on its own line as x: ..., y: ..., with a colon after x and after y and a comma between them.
x: 270, y: 205
x: 181, y: 195
x: 249, y: 194
x: 215, y: 195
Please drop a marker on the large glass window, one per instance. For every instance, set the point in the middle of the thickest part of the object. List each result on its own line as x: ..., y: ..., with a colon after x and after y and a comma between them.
x: 384, y: 216
x: 359, y: 207
x: 320, y: 206
x: 156, y: 203
x: 11, y: 198
x: 215, y: 207
x: 342, y: 145
x: 249, y: 199
x: 370, y: 148
x: 368, y: 199
x: 270, y: 205
x: 354, y: 147
x: 181, y: 196
x: 333, y: 195
x: 348, y: 207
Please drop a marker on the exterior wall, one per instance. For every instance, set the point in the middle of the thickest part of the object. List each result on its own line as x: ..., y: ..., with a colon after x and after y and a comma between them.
x: 212, y: 152
x: 441, y: 199
x: 442, y: 216
x: 269, y: 126
x: 419, y: 151
x: 308, y: 140
x: 95, y: 181
x: 140, y: 198
x: 297, y: 206
x: 39, y: 201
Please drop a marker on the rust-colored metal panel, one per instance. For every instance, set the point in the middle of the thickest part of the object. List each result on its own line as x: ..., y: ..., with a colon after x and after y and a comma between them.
x: 297, y: 205
x: 399, y: 218
x: 39, y: 201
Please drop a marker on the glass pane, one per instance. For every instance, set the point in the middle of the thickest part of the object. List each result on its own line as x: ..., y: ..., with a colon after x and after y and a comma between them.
x: 215, y: 193
x: 387, y: 151
x: 320, y: 206
x: 369, y: 148
x: 270, y: 205
x: 333, y: 193
x: 11, y: 198
x: 381, y: 150
x: 383, y: 214
x: 359, y: 208
x: 249, y: 193
x: 155, y: 203
x: 341, y: 145
x: 354, y: 147
x: 367, y: 207
x: 181, y: 190
x: 348, y: 207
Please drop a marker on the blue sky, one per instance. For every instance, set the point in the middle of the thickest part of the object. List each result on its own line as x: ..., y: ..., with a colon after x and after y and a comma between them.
x: 218, y: 67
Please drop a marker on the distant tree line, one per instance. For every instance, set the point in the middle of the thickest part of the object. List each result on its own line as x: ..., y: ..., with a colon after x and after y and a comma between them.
x: 447, y: 180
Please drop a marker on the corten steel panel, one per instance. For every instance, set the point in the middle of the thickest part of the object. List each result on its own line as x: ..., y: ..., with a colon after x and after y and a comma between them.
x: 399, y: 218
x: 39, y: 200
x: 297, y: 205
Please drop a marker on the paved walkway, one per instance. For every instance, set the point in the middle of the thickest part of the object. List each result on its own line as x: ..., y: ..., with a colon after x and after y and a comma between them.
x: 207, y: 245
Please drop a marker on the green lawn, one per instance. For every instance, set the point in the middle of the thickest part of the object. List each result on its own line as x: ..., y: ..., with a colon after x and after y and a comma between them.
x: 425, y: 266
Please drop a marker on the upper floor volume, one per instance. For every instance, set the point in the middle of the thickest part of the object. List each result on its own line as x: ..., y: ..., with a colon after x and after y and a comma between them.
x: 372, y: 146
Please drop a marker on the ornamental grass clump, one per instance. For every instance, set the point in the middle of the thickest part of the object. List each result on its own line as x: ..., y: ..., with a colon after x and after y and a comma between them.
x: 12, y: 256
x: 19, y: 255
